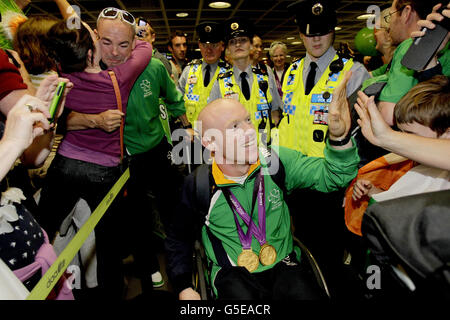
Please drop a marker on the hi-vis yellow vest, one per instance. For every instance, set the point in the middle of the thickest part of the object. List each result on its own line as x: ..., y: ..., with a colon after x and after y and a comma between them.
x: 257, y: 105
x: 305, y: 118
x: 196, y: 94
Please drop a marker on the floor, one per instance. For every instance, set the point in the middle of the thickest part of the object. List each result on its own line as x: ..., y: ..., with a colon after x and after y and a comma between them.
x: 133, y: 284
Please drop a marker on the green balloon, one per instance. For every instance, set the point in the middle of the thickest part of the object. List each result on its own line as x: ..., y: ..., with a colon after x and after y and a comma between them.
x: 365, y: 42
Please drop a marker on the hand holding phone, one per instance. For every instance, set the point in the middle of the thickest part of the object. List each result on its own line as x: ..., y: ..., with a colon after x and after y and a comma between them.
x: 424, y: 48
x: 56, y: 101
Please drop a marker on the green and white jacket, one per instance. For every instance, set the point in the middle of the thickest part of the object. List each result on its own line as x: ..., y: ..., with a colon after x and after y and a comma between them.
x: 327, y: 174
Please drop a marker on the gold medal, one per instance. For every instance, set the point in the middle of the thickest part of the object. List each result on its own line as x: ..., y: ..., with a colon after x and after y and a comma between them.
x: 248, y: 259
x: 267, y: 254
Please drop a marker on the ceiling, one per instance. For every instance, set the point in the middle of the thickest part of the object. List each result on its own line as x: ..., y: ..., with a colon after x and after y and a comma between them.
x: 271, y: 19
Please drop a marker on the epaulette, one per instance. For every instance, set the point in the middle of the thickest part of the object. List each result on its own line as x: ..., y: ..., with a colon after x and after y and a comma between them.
x: 195, y: 61
x: 225, y: 75
x: 260, y: 68
x: 224, y: 64
x: 296, y: 63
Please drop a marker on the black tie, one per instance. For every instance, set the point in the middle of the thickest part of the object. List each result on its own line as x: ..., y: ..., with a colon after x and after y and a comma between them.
x: 244, y: 86
x: 311, y: 78
x: 207, y: 75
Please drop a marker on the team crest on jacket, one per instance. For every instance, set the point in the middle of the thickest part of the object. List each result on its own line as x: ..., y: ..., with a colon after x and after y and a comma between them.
x: 275, y: 198
x: 146, y: 87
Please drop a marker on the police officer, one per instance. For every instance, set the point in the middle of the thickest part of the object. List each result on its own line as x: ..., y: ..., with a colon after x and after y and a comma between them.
x: 199, y: 75
x: 307, y: 90
x: 309, y: 83
x: 254, y: 87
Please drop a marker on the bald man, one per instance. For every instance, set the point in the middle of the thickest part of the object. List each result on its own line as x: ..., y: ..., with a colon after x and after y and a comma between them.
x: 260, y: 263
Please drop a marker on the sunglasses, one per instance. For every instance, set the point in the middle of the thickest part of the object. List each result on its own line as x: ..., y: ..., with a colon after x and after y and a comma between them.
x: 113, y: 13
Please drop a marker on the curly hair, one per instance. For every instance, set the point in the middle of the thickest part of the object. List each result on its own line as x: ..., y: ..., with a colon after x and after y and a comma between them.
x: 29, y: 43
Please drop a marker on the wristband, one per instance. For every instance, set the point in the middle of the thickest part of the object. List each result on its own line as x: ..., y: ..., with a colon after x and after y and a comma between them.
x: 339, y: 142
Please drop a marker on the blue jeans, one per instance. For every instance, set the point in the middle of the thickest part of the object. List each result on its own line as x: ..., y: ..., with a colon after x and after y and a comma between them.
x: 68, y: 180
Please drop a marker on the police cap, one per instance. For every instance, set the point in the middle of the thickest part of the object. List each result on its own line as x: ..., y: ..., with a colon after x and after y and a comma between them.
x: 209, y: 32
x: 315, y: 17
x: 237, y: 27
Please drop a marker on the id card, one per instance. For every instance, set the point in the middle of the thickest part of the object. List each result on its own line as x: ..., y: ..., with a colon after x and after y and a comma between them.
x: 320, y: 115
x: 192, y: 80
x: 231, y: 95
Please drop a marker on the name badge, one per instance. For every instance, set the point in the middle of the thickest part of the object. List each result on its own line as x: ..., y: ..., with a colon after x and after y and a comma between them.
x: 231, y: 95
x: 262, y: 107
x: 318, y: 98
x: 192, y: 80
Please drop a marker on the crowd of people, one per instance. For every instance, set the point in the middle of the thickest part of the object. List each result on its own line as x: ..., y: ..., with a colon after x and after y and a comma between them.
x: 291, y: 150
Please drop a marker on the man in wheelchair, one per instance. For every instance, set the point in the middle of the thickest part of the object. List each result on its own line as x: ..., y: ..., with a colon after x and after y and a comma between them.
x: 246, y: 228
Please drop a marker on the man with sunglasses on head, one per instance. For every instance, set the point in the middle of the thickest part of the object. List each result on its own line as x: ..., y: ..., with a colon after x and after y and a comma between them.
x: 115, y: 33
x: 146, y: 144
x: 245, y: 82
x: 143, y: 131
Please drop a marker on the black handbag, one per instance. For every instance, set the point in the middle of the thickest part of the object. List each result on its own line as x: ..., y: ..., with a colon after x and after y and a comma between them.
x: 413, y: 233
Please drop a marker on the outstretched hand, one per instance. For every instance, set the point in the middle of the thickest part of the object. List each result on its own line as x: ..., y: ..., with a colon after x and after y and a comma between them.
x: 372, y: 124
x: 339, y: 120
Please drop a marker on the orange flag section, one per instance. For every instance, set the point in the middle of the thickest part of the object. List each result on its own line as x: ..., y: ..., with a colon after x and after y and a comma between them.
x: 382, y: 172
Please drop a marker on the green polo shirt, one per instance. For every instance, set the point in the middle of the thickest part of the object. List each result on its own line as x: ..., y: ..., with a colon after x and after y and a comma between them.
x: 401, y: 79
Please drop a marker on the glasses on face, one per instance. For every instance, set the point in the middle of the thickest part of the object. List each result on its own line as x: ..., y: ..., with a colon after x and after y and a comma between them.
x: 210, y: 45
x: 113, y: 13
x: 387, y: 18
x: 235, y: 41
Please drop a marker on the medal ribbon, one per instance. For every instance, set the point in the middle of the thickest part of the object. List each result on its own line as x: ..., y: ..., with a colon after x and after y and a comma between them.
x: 259, y: 233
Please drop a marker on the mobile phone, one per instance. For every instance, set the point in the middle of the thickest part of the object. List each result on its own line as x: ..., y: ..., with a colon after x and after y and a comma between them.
x: 142, y: 23
x: 56, y: 101
x: 424, y: 48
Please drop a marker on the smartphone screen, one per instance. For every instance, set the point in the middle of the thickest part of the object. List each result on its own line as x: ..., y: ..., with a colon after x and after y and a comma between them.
x: 142, y: 23
x: 54, y: 106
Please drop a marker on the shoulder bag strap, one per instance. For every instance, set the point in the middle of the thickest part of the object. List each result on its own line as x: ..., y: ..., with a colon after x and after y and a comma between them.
x: 119, y: 106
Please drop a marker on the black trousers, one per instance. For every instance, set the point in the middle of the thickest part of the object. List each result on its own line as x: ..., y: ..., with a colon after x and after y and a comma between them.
x: 287, y: 280
x: 68, y: 180
x: 319, y: 223
x: 150, y: 172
